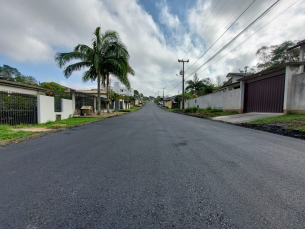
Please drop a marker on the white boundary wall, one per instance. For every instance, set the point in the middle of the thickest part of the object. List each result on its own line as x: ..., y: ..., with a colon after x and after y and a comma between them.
x: 297, y: 103
x: 224, y: 100
x: 45, y: 109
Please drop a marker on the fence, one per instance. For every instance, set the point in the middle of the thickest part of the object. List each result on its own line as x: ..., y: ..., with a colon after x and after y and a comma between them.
x: 83, y: 99
x: 17, y: 108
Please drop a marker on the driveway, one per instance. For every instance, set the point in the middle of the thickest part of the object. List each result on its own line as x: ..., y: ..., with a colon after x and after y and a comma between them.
x: 245, y: 117
x: 154, y: 169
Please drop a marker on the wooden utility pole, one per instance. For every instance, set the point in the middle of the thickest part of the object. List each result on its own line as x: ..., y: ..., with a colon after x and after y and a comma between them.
x: 163, y: 95
x: 183, y: 80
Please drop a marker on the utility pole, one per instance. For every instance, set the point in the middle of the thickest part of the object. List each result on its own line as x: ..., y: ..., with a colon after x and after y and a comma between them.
x: 178, y: 100
x: 183, y: 80
x: 163, y: 95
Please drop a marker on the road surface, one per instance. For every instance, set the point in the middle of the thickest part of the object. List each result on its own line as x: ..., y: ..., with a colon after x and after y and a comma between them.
x: 154, y: 169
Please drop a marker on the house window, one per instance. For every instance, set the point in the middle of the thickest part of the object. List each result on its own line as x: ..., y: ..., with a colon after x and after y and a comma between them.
x: 195, y: 101
x: 197, y: 106
x: 236, y: 87
x: 121, y: 90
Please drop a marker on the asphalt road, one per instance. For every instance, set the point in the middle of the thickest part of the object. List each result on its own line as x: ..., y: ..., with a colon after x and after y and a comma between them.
x: 154, y: 169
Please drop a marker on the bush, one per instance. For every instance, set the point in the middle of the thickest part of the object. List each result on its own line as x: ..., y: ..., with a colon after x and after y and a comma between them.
x: 191, y: 110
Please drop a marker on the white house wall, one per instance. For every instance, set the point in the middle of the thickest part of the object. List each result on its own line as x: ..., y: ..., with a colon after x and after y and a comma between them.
x: 213, y: 100
x: 231, y: 100
x: 297, y: 99
x: 224, y: 100
x: 45, y: 109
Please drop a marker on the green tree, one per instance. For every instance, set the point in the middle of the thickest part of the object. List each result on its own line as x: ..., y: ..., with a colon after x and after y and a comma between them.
x: 275, y: 55
x: 199, y: 87
x: 136, y: 92
x: 9, y: 73
x: 178, y: 98
x: 52, y: 86
x: 106, y: 56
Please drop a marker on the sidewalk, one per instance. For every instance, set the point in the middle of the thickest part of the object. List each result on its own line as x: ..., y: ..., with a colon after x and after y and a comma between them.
x: 245, y: 117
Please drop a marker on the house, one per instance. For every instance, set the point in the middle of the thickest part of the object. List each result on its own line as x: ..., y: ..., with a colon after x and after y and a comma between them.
x: 21, y: 88
x: 122, y: 90
x: 232, y: 82
x: 275, y: 90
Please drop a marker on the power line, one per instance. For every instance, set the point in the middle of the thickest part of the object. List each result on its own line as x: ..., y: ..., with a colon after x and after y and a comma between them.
x: 200, y: 28
x: 222, y: 34
x: 238, y: 35
x: 243, y: 40
x: 251, y: 35
x: 225, y: 22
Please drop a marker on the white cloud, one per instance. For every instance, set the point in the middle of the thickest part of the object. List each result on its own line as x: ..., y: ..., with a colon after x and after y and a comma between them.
x: 166, y: 18
x: 33, y: 31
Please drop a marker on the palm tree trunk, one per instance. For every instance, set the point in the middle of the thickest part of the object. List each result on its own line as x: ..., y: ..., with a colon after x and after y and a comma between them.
x: 99, y: 93
x: 108, y: 93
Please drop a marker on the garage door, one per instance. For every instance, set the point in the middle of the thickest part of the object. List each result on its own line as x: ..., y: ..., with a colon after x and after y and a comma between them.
x: 266, y: 95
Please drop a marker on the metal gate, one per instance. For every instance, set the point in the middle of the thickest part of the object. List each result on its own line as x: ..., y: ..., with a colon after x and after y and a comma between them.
x: 17, y: 108
x: 266, y: 95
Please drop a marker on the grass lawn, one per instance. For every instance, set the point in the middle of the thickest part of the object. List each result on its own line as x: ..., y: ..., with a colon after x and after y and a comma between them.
x: 67, y: 122
x: 7, y: 133
x: 130, y: 110
x: 292, y: 121
x: 173, y: 110
x: 205, y: 112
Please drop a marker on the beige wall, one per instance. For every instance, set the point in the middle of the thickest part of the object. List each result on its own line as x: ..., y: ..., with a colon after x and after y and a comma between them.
x: 168, y: 104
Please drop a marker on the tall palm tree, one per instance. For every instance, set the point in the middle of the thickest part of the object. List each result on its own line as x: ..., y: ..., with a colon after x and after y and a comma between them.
x: 118, y: 66
x: 100, y: 59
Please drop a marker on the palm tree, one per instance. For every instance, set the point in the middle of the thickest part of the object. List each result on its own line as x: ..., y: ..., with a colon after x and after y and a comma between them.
x: 103, y: 58
x: 195, y: 84
x: 118, y: 66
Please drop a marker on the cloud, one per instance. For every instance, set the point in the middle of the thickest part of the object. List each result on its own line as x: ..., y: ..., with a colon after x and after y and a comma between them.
x: 166, y: 18
x: 33, y: 31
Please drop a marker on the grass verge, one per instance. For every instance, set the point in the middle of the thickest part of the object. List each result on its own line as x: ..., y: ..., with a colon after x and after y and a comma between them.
x: 204, y: 112
x: 290, y: 121
x: 130, y: 110
x: 66, y: 122
x: 7, y: 133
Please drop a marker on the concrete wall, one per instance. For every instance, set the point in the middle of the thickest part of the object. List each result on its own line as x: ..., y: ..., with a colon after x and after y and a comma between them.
x: 297, y: 98
x: 213, y: 100
x: 224, y: 100
x: 45, y: 109
x: 67, y: 109
x: 231, y: 100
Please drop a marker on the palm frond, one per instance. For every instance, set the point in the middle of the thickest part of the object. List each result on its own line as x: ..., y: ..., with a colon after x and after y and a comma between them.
x: 62, y: 58
x: 75, y: 67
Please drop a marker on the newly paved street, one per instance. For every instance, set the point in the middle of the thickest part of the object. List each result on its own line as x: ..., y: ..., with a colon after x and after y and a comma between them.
x: 154, y: 169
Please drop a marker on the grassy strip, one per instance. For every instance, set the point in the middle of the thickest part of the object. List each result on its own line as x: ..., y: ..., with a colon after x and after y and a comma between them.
x: 130, y: 110
x: 292, y: 121
x: 68, y: 122
x: 7, y: 133
x: 283, y: 118
x: 205, y: 112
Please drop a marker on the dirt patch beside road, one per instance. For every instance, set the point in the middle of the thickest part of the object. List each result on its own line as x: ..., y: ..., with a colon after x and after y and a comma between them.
x: 280, y: 128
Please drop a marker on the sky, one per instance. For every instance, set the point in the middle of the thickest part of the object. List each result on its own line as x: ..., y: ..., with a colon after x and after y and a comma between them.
x: 156, y: 32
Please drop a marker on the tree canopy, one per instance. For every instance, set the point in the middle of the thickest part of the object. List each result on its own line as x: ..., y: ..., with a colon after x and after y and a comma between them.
x: 275, y: 55
x: 52, y: 86
x: 12, y: 74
